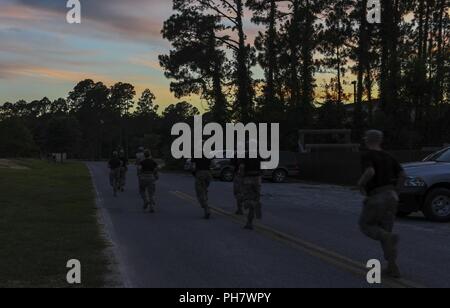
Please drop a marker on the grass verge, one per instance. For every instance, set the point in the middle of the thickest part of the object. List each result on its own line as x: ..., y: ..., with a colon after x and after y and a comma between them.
x: 47, y: 217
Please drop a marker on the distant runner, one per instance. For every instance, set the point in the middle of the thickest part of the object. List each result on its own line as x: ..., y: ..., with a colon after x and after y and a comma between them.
x: 123, y: 170
x: 139, y: 158
x: 203, y: 179
x: 238, y: 184
x: 148, y: 175
x: 114, y: 165
x: 251, y: 189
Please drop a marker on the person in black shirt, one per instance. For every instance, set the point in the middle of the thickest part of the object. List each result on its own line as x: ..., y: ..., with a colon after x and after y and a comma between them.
x: 385, y: 171
x: 114, y: 165
x: 251, y: 189
x: 139, y: 158
x: 148, y: 175
x: 382, y: 176
x: 203, y: 179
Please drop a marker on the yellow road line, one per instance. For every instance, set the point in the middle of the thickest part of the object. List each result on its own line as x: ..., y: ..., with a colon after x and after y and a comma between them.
x: 326, y: 255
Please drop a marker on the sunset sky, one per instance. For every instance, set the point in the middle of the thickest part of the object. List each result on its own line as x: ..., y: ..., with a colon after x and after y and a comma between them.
x: 118, y: 40
x: 42, y: 55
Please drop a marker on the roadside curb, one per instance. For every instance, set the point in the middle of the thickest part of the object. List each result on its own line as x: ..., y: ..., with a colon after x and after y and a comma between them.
x: 113, y: 253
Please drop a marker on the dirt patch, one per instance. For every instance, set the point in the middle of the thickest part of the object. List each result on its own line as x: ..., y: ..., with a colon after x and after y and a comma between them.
x: 9, y: 164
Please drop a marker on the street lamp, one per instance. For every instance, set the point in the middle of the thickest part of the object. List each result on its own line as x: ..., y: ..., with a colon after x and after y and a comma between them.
x: 354, y: 83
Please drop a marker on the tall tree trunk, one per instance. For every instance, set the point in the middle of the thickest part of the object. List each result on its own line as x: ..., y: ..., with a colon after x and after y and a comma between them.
x: 438, y: 83
x: 426, y: 33
x: 362, y: 54
x: 339, y: 82
x: 426, y: 56
x: 384, y: 70
x: 418, y: 69
x: 294, y: 83
x: 219, y: 109
x: 369, y: 93
x: 420, y: 17
x: 243, y: 82
x: 271, y: 55
x: 307, y: 94
x: 389, y: 58
x: 395, y: 61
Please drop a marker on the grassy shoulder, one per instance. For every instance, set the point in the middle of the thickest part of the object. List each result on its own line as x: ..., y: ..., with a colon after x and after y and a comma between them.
x: 47, y: 217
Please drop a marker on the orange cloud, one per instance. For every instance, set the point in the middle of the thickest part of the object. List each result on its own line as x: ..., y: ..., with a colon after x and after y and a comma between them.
x: 161, y: 90
x: 50, y: 73
x: 25, y: 13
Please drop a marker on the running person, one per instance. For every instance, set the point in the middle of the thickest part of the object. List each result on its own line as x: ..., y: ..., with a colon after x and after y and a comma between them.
x: 382, y: 177
x: 123, y: 170
x: 148, y: 175
x: 139, y: 158
x: 251, y: 189
x: 203, y: 179
x: 114, y: 165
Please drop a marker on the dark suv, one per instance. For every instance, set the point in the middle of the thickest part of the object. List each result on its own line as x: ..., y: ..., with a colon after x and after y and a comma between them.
x: 427, y: 187
x: 288, y: 167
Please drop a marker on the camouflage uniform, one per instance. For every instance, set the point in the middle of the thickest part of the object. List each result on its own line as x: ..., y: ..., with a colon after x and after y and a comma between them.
x: 251, y: 194
x: 114, y: 179
x: 114, y: 175
x: 147, y: 189
x: 203, y: 179
x: 139, y: 158
x: 378, y: 217
x: 148, y: 175
x: 123, y: 177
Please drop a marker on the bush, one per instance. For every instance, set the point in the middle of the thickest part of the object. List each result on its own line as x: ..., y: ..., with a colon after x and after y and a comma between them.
x: 16, y: 139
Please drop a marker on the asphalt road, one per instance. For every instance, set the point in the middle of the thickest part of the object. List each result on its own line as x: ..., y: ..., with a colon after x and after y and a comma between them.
x: 308, y: 238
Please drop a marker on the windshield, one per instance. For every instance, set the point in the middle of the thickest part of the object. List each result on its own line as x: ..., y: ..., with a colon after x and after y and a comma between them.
x: 441, y: 156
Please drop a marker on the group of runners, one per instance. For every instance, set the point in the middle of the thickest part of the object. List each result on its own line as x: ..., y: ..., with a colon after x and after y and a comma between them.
x: 381, y: 179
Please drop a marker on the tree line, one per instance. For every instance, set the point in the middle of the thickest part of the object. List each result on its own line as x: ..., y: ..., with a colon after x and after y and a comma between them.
x: 90, y: 123
x: 399, y: 69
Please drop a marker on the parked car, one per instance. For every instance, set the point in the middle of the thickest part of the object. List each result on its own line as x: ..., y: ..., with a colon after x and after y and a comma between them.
x: 427, y: 187
x: 288, y: 167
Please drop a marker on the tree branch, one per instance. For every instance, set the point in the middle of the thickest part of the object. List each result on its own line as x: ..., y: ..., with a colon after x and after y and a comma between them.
x: 209, y: 5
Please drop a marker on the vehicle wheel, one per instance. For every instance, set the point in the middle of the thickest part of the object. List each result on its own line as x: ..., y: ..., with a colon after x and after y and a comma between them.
x: 437, y: 205
x: 227, y: 175
x: 403, y: 214
x: 279, y: 176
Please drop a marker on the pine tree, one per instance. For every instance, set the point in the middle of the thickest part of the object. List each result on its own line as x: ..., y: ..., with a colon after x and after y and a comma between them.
x: 265, y: 12
x: 196, y: 63
x: 146, y: 105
